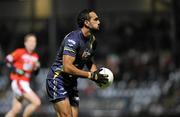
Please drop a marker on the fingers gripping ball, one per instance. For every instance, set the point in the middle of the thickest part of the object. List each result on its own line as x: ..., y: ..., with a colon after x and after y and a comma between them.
x: 110, y: 78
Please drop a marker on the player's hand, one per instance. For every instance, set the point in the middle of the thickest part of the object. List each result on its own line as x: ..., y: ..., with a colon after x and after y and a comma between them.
x: 18, y: 71
x: 13, y: 69
x: 36, y: 65
x: 99, y: 78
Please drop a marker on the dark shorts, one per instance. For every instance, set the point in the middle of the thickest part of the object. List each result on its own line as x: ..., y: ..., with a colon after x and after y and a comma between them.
x: 57, y: 91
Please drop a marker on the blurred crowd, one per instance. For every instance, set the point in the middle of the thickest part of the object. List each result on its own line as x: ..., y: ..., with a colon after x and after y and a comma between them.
x: 139, y: 51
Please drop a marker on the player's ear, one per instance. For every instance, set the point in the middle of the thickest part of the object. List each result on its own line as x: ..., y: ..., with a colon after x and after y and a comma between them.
x: 86, y: 23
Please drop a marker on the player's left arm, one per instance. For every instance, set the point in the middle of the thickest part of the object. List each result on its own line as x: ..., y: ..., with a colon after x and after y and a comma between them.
x: 37, y: 66
x: 93, y: 68
x: 91, y: 65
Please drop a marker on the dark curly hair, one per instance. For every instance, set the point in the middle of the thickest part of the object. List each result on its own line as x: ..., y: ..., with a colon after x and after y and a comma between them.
x: 82, y: 16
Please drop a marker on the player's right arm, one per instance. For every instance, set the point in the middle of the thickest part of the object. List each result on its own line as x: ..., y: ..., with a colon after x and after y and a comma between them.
x: 11, y: 58
x: 69, y: 67
x: 69, y: 54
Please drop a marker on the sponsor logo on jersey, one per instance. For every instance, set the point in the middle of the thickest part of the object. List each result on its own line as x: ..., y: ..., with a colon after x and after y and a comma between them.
x: 71, y: 41
x: 70, y: 45
x: 86, y: 54
x: 63, y: 93
x: 27, y: 57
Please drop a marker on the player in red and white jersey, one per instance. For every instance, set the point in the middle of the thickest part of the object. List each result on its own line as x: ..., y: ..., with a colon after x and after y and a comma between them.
x: 23, y: 62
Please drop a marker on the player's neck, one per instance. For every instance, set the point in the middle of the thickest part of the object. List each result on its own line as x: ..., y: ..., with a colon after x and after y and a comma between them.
x: 29, y: 51
x: 86, y: 32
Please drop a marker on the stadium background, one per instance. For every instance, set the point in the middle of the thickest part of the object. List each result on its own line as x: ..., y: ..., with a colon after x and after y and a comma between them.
x: 139, y: 41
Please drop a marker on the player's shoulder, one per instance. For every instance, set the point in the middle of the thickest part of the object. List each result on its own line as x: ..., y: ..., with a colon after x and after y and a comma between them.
x: 73, y: 36
x: 20, y: 50
x: 74, y: 33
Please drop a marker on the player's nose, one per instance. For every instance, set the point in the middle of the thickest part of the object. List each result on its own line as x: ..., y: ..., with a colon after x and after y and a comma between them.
x: 98, y: 22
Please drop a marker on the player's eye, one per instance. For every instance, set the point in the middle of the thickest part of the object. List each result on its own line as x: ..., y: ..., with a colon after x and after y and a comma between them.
x: 96, y: 19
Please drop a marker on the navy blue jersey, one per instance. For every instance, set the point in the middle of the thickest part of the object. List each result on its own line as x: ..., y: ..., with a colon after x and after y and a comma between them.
x: 78, y: 46
x: 59, y: 84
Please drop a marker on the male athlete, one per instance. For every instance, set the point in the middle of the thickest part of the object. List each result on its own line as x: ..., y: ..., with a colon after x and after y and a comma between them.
x: 76, y: 51
x: 23, y: 62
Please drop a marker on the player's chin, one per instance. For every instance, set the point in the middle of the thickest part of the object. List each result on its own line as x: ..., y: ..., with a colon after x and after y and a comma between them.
x: 97, y: 28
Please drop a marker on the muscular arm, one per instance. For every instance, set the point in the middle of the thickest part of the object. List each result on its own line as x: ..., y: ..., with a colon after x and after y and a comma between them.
x: 68, y: 67
x: 93, y: 68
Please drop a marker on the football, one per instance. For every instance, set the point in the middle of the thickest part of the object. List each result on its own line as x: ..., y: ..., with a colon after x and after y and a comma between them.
x: 110, y: 77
